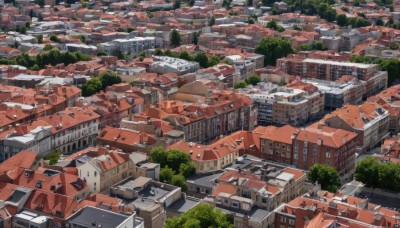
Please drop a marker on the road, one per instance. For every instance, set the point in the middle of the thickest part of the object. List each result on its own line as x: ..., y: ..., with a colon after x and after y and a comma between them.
x: 369, y: 153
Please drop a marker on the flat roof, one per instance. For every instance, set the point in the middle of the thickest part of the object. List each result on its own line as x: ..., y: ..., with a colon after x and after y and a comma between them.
x: 88, y: 216
x: 330, y: 62
x: 183, y: 205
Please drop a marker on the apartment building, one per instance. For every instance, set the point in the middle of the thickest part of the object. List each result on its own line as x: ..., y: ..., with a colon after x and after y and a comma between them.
x: 148, y: 198
x: 328, y: 146
x: 273, y: 185
x: 370, y: 121
x: 73, y: 129
x: 345, y: 90
x: 128, y: 140
x: 324, y: 209
x: 388, y: 99
x: 33, y: 137
x: 166, y: 64
x: 204, y: 114
x: 284, y: 105
x: 105, y: 170
x: 332, y: 70
x: 128, y: 46
x: 217, y: 155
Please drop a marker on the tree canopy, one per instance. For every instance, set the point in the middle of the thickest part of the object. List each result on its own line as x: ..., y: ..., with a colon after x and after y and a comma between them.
x: 94, y: 85
x: 175, y: 165
x: 175, y: 38
x: 273, y: 49
x: 201, y: 216
x: 391, y: 65
x: 378, y: 175
x: 254, y: 79
x: 341, y: 20
x: 327, y: 176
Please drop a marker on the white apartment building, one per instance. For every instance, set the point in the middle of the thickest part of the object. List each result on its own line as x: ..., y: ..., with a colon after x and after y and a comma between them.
x: 165, y: 64
x: 128, y: 46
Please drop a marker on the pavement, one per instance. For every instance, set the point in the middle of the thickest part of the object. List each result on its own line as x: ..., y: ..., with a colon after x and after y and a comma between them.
x: 368, y: 154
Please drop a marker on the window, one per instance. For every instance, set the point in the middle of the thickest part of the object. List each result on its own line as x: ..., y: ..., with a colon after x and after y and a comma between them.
x: 235, y: 204
x: 283, y: 219
x: 288, y: 148
x: 276, y: 145
x: 327, y: 162
x: 328, y: 154
x: 88, y: 173
x: 291, y: 221
x: 296, y: 156
x: 95, y: 173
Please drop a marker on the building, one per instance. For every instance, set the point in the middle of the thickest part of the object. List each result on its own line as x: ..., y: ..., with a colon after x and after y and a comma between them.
x: 252, y: 190
x: 73, y: 129
x: 370, y: 121
x: 127, y: 140
x: 148, y: 198
x: 165, y: 64
x: 91, y: 216
x: 332, y: 70
x: 130, y: 46
x: 388, y: 99
x: 285, y: 105
x: 324, y: 209
x: 33, y: 137
x: 204, y: 114
x: 105, y: 170
x: 340, y: 92
x: 327, y: 146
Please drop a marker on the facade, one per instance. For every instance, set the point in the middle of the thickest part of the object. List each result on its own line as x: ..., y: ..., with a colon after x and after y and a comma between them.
x: 284, y: 105
x: 203, y: 116
x: 73, y: 129
x: 388, y: 99
x: 165, y: 64
x: 370, y: 121
x: 128, y: 46
x: 127, y: 140
x: 324, y: 209
x: 332, y: 70
x: 105, y: 170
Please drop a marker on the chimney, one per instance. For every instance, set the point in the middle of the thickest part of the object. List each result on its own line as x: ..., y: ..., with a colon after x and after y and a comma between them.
x: 102, y: 151
x: 319, y: 143
x: 18, y: 129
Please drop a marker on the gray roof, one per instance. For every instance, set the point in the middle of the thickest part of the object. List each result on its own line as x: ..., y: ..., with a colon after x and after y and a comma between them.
x: 183, y: 205
x: 204, y: 180
x: 90, y: 216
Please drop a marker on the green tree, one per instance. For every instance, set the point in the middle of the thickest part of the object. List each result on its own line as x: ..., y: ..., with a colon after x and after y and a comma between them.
x: 379, y: 22
x: 361, y: 22
x: 177, y: 4
x: 91, y: 87
x: 254, y: 79
x: 82, y: 38
x: 392, y: 66
x: 273, y: 49
x: 171, y: 158
x: 214, y: 60
x: 53, y: 157
x: 367, y: 172
x: 201, y: 58
x: 239, y: 85
x: 109, y: 78
x: 54, y: 38
x: 201, y: 216
x: 330, y: 15
x: 118, y: 53
x: 327, y: 176
x: 318, y: 45
x: 187, y: 169
x: 129, y: 30
x: 158, y: 52
x: 211, y: 22
x: 341, y: 20
x: 191, y: 2
x: 180, y: 181
x: 296, y: 27
x: 166, y: 174
x: 23, y: 30
x: 48, y: 47
x: 39, y: 39
x: 185, y: 55
x: 195, y: 38
x: 101, y: 53
x: 35, y: 67
x: 226, y: 4
x: 175, y: 38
